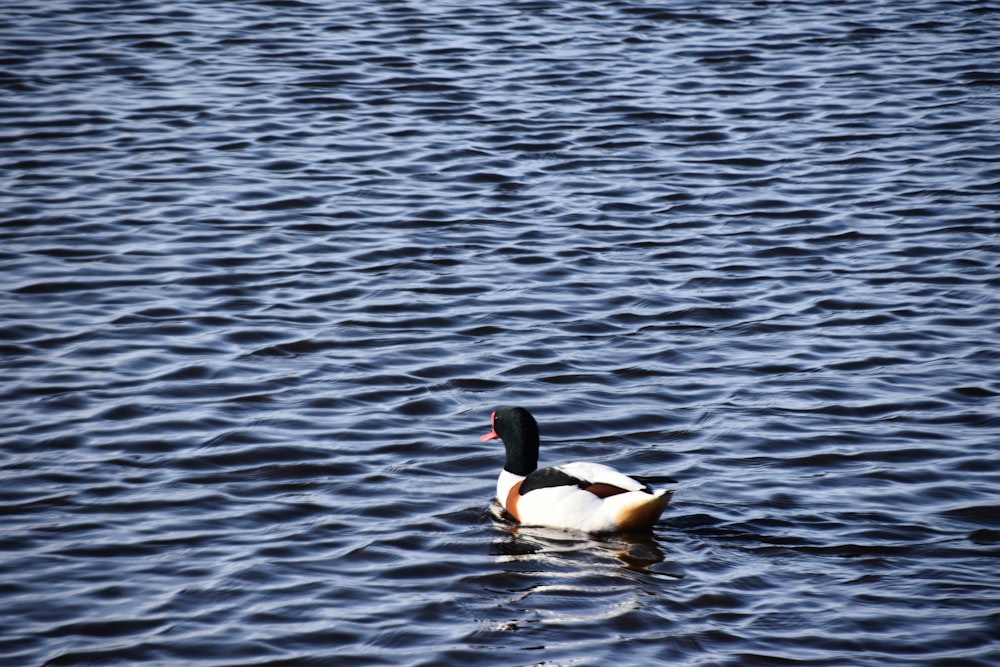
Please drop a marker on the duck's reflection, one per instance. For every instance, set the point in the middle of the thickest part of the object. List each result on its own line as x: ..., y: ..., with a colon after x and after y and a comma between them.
x: 554, y: 585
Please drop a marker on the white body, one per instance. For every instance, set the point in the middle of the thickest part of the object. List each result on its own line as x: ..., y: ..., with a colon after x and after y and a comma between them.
x: 575, y: 508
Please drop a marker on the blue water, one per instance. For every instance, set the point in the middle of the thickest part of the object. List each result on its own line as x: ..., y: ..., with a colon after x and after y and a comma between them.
x: 267, y: 267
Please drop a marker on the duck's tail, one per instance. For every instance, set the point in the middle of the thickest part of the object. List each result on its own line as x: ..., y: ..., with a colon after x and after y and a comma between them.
x: 637, y: 510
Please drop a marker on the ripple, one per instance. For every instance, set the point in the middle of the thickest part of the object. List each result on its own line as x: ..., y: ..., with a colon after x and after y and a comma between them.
x: 268, y: 269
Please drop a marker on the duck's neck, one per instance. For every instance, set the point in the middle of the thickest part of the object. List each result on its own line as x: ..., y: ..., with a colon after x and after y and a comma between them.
x: 522, y: 454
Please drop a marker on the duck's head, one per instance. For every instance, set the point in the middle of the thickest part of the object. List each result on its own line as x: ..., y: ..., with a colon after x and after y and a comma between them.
x: 519, y: 432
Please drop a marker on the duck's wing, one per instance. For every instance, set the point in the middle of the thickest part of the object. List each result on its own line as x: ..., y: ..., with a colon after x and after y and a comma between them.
x: 547, y: 478
x: 598, y: 474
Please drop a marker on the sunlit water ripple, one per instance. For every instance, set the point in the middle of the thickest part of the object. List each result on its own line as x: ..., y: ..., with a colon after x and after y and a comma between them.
x: 268, y: 267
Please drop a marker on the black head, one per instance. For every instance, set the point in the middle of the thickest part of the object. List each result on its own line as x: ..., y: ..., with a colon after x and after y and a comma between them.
x: 519, y: 432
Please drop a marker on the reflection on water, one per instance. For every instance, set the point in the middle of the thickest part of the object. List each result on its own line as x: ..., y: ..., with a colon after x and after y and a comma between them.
x: 559, y: 585
x: 635, y: 551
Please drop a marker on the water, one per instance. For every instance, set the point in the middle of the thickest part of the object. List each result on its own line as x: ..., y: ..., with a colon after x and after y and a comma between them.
x: 269, y: 266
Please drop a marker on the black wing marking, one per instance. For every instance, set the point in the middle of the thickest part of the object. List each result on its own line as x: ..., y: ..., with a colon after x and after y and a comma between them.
x: 548, y: 477
x: 651, y: 480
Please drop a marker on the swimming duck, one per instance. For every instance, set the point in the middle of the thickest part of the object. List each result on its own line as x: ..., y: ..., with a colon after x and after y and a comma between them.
x: 589, y: 497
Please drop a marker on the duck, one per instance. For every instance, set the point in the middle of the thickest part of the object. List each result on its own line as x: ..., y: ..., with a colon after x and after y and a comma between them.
x: 581, y: 496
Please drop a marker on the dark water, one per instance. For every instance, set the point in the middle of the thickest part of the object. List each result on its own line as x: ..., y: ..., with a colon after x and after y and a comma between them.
x: 268, y: 267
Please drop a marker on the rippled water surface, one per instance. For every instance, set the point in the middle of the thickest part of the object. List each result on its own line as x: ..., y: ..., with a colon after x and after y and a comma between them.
x: 269, y: 266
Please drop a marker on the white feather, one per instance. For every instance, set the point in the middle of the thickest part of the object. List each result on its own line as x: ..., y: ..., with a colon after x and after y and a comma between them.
x: 565, y: 506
